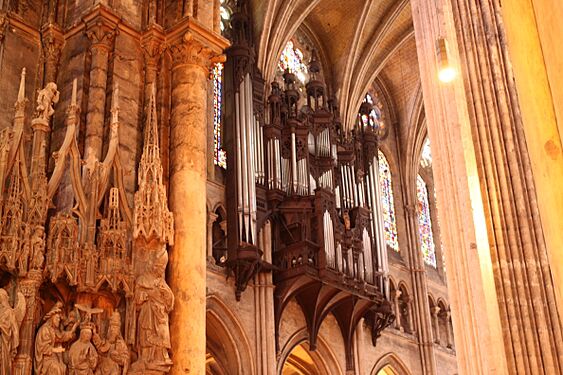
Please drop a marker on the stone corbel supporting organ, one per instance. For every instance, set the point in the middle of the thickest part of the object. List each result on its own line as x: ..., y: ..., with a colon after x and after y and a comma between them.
x: 97, y: 268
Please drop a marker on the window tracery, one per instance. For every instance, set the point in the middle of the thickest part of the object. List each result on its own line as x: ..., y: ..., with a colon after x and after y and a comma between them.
x: 292, y: 59
x: 374, y: 119
x: 425, y: 223
x: 426, y: 156
x: 225, y: 14
x: 387, y: 202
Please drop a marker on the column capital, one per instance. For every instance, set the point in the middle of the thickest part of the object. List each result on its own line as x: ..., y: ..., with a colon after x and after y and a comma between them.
x: 53, y: 41
x: 193, y: 44
x: 153, y: 43
x: 3, y: 26
x: 101, y: 27
x: 435, y: 311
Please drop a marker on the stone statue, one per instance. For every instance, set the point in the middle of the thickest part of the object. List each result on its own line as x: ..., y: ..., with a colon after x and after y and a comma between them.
x: 113, y: 350
x: 48, y: 349
x: 37, y: 248
x: 82, y: 355
x: 10, y: 322
x: 154, y: 301
x: 45, y: 100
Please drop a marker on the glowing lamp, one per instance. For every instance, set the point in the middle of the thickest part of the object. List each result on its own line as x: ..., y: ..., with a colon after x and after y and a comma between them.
x: 446, y: 72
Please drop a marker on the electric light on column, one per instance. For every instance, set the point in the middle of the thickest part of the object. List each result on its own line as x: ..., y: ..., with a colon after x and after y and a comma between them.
x: 446, y: 72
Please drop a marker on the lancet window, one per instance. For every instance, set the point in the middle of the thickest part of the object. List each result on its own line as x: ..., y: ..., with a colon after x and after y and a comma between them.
x: 225, y: 15
x: 292, y: 59
x: 387, y: 202
x: 374, y: 117
x: 219, y: 155
x: 425, y: 223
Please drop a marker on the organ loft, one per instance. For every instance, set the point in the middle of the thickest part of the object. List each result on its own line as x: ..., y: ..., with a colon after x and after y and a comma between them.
x: 246, y: 187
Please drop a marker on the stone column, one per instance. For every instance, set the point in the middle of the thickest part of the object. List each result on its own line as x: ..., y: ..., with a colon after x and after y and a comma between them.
x: 447, y: 317
x: 52, y: 39
x: 421, y: 307
x: 101, y: 29
x: 192, y: 49
x: 396, y: 300
x: 211, y: 217
x: 498, y: 260
x: 436, y: 322
x: 153, y: 44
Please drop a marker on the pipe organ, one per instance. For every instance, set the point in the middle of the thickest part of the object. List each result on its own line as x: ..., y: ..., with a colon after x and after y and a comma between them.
x: 291, y: 164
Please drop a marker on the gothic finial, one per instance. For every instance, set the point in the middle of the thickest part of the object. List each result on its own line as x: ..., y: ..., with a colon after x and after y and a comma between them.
x: 22, y: 101
x: 74, y: 90
x: 21, y: 93
x: 151, y: 133
x: 314, y: 64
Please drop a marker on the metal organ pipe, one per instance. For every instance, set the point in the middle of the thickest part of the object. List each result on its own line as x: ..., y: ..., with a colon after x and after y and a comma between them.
x: 252, y: 145
x: 239, y: 164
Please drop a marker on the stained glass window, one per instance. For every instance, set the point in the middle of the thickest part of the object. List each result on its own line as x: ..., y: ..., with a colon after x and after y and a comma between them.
x: 426, y: 156
x: 292, y: 59
x: 374, y: 118
x: 219, y: 156
x: 225, y: 15
x: 387, y: 202
x: 425, y: 223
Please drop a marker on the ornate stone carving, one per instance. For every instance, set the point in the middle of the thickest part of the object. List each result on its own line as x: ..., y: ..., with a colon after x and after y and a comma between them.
x: 189, y: 50
x: 48, y: 343
x: 113, y: 351
x: 153, y: 229
x: 3, y: 27
x: 46, y: 98
x: 83, y: 357
x: 10, y: 322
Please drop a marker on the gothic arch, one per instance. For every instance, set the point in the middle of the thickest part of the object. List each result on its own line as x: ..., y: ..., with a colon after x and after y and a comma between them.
x: 323, y: 357
x: 226, y: 340
x: 393, y: 361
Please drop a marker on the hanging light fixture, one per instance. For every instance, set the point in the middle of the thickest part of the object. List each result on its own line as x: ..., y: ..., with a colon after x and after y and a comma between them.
x: 446, y: 72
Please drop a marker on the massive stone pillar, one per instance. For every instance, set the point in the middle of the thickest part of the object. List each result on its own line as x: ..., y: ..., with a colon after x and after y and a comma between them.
x: 499, y: 275
x: 193, y: 49
x: 101, y: 29
x: 421, y: 308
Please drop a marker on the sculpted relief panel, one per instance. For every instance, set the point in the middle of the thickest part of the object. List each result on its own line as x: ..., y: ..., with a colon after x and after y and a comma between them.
x: 82, y: 290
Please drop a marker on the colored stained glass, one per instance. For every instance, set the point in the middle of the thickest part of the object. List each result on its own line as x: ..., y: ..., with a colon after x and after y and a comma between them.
x: 374, y: 118
x: 387, y: 202
x: 292, y: 59
x: 425, y: 223
x: 426, y: 156
x: 219, y: 157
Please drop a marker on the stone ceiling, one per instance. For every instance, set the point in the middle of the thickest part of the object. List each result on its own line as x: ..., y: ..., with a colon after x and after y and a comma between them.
x: 357, y: 39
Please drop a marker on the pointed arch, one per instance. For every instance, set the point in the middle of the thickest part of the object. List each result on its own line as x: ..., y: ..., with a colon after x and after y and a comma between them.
x: 390, y: 360
x: 226, y: 340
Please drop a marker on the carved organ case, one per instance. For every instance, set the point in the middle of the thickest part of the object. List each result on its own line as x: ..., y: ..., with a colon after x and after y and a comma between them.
x: 291, y: 163
x: 88, y: 278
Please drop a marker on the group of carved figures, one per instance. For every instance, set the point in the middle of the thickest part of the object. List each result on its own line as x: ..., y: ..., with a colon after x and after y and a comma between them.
x: 76, y: 336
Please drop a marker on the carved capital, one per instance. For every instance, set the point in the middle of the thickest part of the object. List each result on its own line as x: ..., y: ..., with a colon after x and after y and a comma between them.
x: 101, y: 28
x: 53, y: 41
x: 3, y: 26
x: 153, y: 44
x: 191, y: 44
x: 190, y: 51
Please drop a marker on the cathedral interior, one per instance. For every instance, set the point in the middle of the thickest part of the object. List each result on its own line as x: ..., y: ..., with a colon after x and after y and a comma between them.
x: 281, y: 187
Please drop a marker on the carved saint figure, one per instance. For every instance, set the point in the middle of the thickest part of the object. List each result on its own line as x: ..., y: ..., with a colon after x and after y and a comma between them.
x: 10, y: 322
x: 113, y: 350
x: 37, y: 248
x: 82, y: 354
x: 154, y: 301
x: 48, y: 349
x: 45, y: 100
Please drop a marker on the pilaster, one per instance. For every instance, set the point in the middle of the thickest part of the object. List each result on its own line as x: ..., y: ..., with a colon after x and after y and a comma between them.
x: 52, y: 39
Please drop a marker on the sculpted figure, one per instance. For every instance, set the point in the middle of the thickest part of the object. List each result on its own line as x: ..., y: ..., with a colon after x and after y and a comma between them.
x: 37, y: 248
x: 45, y: 100
x: 154, y: 301
x: 113, y: 350
x: 48, y: 349
x: 10, y: 322
x: 82, y: 355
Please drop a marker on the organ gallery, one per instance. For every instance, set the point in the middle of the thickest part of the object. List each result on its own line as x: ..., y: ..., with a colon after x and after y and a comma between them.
x: 245, y: 187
